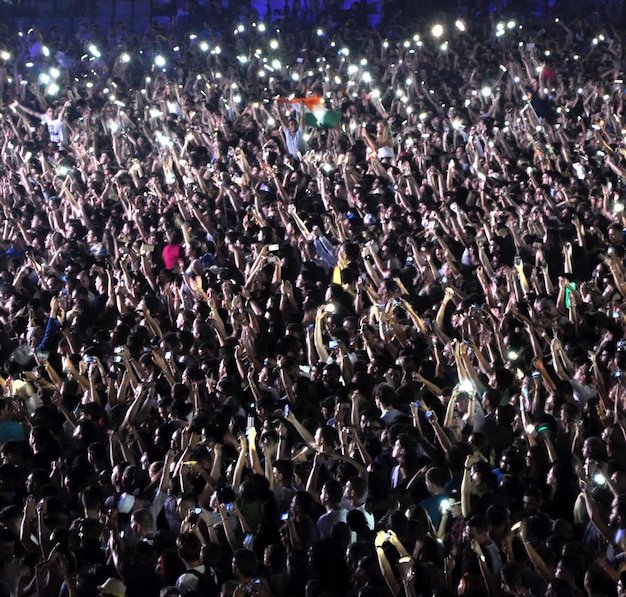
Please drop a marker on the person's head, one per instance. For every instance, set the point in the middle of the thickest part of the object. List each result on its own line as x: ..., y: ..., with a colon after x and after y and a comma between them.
x: 326, y: 437
x: 483, y: 479
x: 436, y: 479
x: 330, y: 495
x: 532, y: 500
x: 189, y: 547
x: 292, y: 125
x: 477, y: 528
x: 302, y: 504
x: 356, y: 489
x: 275, y: 557
x: 283, y: 472
x: 245, y: 565
x: 142, y: 522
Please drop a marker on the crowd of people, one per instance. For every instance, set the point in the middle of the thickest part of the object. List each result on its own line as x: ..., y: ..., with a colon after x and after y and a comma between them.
x: 317, y: 311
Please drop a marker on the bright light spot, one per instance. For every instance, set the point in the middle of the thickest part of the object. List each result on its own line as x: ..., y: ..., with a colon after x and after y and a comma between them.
x: 159, y: 61
x: 192, y: 36
x: 460, y: 25
x: 363, y: 61
x: 276, y: 64
x: 53, y: 89
x: 125, y: 58
x: 366, y: 77
x: 320, y: 32
x: 375, y: 93
x: 511, y: 25
x: 242, y: 59
x: 93, y: 50
x: 44, y: 79
x: 274, y: 44
x: 45, y: 51
x: 486, y: 91
x: 466, y: 386
x: 114, y: 126
x: 5, y: 55
x: 345, y: 51
x: 261, y: 27
x: 437, y: 30
x: 408, y: 82
x: 406, y: 44
x: 353, y: 69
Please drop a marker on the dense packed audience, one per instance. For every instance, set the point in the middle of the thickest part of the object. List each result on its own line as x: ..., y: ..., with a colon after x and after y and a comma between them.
x: 310, y: 308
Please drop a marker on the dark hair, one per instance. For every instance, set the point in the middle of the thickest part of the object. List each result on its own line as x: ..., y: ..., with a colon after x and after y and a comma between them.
x: 246, y: 562
x: 188, y: 547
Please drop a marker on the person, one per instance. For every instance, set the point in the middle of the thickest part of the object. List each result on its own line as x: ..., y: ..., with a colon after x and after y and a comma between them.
x: 383, y: 144
x: 330, y: 499
x: 53, y: 119
x: 293, y: 132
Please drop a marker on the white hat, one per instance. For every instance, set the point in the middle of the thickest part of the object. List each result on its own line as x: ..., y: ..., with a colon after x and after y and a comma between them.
x: 113, y: 586
x: 125, y: 503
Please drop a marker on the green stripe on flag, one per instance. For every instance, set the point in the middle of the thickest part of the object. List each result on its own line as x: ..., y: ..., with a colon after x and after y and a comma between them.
x: 329, y: 121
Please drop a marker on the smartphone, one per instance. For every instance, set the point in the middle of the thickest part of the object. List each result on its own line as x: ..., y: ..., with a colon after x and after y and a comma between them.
x: 271, y: 259
x: 284, y: 516
x: 168, y: 355
x: 429, y: 414
x: 518, y: 260
x: 274, y: 248
x: 286, y: 410
x: 568, y: 293
x: 147, y: 248
x: 118, y: 359
x: 118, y: 349
x: 599, y: 479
x: 88, y: 359
x: 197, y: 510
x: 230, y: 508
x: 333, y: 344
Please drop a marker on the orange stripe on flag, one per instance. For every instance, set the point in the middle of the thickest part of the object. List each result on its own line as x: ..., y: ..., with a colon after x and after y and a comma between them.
x: 309, y: 102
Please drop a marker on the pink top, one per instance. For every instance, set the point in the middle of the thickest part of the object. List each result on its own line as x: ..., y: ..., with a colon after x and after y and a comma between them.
x: 171, y: 255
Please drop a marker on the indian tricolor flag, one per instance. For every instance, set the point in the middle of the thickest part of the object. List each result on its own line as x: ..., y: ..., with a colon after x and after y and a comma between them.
x: 316, y: 113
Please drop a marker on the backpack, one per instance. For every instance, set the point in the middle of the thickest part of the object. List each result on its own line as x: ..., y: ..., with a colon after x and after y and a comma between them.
x: 207, y: 582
